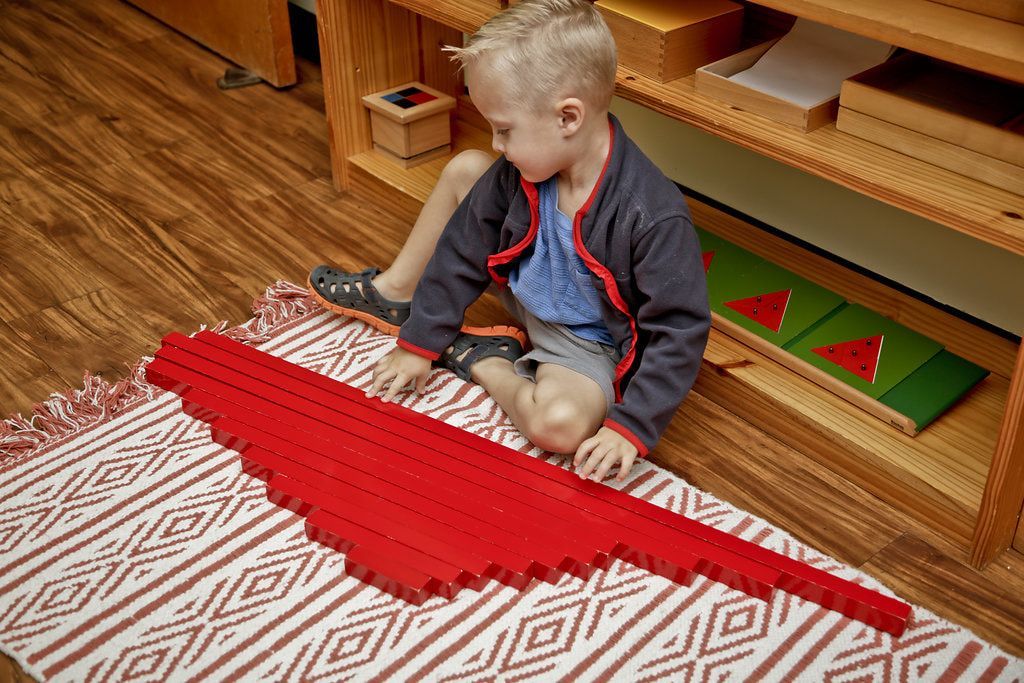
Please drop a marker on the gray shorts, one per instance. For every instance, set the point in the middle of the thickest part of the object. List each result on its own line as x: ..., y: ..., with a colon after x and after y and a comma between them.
x: 554, y: 343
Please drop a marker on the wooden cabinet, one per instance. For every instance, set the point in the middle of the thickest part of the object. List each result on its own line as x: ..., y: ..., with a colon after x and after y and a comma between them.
x: 965, y: 478
x: 253, y: 34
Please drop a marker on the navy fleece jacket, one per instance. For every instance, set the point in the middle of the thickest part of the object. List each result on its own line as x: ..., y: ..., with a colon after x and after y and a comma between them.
x: 635, y: 235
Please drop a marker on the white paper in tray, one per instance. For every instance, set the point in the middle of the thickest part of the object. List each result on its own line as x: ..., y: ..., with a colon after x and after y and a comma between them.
x: 809, y: 64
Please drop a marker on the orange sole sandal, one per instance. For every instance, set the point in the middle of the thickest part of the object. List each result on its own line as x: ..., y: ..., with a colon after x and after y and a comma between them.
x: 354, y: 295
x: 476, y: 343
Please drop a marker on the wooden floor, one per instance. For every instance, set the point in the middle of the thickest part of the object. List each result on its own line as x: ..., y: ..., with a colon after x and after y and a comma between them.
x: 136, y: 199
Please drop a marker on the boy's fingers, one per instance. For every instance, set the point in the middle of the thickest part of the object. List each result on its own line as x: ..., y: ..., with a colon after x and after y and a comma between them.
x: 606, y: 464
x: 421, y: 384
x: 380, y: 378
x: 583, y: 450
x: 626, y: 466
x: 397, y: 383
x: 594, y: 460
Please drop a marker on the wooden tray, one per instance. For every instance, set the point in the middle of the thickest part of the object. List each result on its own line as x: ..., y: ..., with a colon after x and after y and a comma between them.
x: 713, y: 80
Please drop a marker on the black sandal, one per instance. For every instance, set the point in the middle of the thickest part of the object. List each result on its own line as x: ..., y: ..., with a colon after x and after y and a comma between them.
x: 481, y: 342
x: 339, y: 292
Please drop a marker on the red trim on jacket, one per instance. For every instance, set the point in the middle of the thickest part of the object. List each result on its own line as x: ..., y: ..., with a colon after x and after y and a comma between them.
x: 501, y: 258
x: 629, y: 436
x: 611, y: 287
x: 418, y: 350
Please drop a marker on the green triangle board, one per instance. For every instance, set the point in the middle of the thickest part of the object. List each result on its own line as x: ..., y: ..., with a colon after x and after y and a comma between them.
x: 934, y: 387
x: 900, y: 351
x: 774, y: 303
x: 904, y: 370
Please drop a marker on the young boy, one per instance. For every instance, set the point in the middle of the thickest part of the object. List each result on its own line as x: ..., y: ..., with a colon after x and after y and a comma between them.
x: 590, y: 246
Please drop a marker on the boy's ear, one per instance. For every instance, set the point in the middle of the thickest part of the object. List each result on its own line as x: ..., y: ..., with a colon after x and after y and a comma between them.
x: 571, y: 111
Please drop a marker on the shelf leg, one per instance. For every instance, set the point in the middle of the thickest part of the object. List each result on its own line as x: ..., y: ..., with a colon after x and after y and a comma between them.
x: 1004, y: 491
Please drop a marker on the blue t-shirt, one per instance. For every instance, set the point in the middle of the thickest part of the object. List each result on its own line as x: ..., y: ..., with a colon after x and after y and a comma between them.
x: 553, y: 283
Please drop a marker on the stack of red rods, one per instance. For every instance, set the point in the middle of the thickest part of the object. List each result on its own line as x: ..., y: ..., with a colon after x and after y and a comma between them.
x: 423, y: 508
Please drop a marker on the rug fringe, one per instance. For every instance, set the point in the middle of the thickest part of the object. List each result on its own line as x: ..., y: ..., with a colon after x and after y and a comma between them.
x: 66, y: 413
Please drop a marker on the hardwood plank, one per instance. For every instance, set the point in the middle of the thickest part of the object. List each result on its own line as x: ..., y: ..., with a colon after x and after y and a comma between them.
x: 93, y: 333
x: 1018, y: 539
x: 310, y: 228
x: 97, y: 140
x: 18, y: 360
x: 38, y: 272
x: 152, y: 273
x: 10, y: 672
x: 919, y: 573
x: 148, y: 80
x: 20, y: 397
x: 775, y: 482
x: 103, y: 22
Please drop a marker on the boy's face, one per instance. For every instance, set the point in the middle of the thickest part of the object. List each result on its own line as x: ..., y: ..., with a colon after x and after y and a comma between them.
x: 534, y: 142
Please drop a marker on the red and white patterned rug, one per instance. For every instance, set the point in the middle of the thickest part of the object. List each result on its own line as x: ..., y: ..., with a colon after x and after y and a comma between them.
x: 132, y: 546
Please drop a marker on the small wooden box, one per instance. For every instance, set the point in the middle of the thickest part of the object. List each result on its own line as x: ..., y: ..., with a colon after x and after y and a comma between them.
x: 713, y: 80
x: 411, y: 123
x: 668, y: 40
x: 960, y: 120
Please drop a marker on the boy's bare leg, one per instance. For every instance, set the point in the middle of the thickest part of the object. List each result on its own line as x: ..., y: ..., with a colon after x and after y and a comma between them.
x: 557, y: 412
x: 399, y: 281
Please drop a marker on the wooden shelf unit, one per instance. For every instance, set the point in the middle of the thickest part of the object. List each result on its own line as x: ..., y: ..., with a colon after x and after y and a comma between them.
x: 971, y: 207
x: 964, y: 475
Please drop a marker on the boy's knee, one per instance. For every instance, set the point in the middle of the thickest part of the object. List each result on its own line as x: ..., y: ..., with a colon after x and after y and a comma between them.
x: 559, y: 426
x: 465, y: 169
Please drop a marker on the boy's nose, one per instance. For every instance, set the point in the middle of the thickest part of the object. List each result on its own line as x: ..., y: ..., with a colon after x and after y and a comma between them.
x: 497, y: 146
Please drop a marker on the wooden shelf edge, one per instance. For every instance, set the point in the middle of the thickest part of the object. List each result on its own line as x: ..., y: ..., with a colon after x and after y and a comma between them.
x: 1001, y: 504
x: 466, y: 16
x: 980, y: 42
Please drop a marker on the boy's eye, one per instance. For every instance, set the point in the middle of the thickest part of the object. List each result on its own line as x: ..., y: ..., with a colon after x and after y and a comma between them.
x: 502, y: 131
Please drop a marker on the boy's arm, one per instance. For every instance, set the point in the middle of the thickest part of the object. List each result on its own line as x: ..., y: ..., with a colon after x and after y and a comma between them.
x: 675, y: 319
x: 456, y: 274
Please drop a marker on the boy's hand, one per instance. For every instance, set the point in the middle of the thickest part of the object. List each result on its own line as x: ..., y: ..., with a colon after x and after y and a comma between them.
x: 603, y: 451
x: 396, y: 370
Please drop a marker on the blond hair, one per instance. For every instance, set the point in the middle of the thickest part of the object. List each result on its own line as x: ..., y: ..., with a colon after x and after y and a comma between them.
x: 548, y: 49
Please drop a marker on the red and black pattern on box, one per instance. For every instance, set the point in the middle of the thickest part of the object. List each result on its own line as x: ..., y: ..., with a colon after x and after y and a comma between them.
x: 407, y: 98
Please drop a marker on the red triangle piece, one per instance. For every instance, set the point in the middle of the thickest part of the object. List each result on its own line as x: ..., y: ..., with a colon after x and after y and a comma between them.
x: 708, y: 257
x: 859, y: 356
x: 765, y: 309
